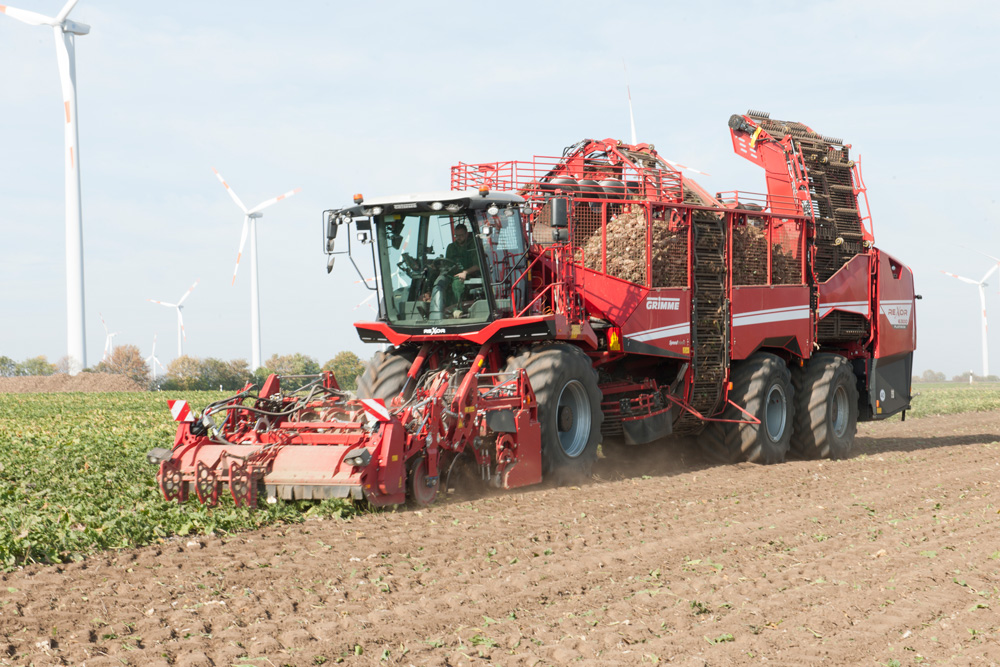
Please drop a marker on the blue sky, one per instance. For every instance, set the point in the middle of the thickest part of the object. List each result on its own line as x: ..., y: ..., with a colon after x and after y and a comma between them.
x: 382, y: 98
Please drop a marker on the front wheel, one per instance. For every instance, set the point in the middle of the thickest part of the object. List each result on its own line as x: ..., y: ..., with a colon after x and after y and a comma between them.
x: 762, y: 386
x: 826, y: 413
x: 569, y: 407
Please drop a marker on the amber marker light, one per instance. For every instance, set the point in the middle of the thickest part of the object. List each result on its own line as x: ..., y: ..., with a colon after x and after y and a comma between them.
x: 615, y: 339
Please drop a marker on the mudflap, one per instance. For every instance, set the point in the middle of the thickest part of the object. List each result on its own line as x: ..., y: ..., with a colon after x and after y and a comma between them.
x: 644, y: 429
x: 888, y: 390
x: 526, y: 467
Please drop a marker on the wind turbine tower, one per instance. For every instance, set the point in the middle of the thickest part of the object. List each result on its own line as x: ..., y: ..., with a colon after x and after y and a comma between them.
x: 65, y: 32
x: 981, y: 284
x: 250, y: 228
x: 181, y: 335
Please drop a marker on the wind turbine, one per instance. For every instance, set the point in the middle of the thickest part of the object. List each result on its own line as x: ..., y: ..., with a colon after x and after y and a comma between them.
x: 181, y: 336
x: 981, y: 284
x: 65, y: 33
x: 631, y: 118
x: 109, y: 340
x: 250, y: 228
x: 152, y: 360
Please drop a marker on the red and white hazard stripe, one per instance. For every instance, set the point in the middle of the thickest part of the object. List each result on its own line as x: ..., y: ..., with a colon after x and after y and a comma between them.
x: 181, y: 411
x: 375, y: 407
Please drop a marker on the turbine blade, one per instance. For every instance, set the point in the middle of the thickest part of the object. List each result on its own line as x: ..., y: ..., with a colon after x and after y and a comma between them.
x: 180, y: 320
x: 628, y: 89
x: 163, y: 303
x: 261, y: 206
x: 990, y: 272
x: 64, y: 56
x: 685, y: 167
x: 64, y: 12
x: 188, y: 293
x: 31, y: 18
x: 230, y: 191
x: 243, y: 241
x: 366, y: 300
x: 963, y: 279
x: 103, y: 324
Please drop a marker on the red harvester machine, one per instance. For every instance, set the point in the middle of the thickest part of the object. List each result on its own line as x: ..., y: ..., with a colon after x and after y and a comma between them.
x: 540, y: 308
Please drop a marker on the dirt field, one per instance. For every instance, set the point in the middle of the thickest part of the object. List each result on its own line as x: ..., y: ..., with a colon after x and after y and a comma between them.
x: 889, y: 558
x: 60, y: 382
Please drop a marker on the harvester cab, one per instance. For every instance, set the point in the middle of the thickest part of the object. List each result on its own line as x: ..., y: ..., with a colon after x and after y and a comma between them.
x: 444, y: 262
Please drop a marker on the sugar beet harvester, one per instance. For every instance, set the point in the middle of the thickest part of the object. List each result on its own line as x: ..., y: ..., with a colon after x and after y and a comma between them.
x: 540, y: 308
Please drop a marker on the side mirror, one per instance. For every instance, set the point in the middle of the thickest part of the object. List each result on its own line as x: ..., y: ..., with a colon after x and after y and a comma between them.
x: 331, y: 228
x: 560, y: 212
x: 329, y: 263
x: 560, y: 235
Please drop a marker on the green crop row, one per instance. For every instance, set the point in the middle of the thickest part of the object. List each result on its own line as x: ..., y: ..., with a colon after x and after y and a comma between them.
x: 74, y: 478
x: 946, y: 398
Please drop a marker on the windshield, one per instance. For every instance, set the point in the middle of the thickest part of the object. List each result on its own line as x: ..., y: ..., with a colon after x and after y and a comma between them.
x: 503, y: 244
x: 431, y: 269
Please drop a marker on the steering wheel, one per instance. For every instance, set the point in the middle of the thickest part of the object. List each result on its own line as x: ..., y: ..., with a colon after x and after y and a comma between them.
x: 410, y: 265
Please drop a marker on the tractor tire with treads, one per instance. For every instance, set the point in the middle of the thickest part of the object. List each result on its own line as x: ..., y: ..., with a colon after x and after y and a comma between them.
x: 826, y: 408
x: 385, y: 374
x: 762, y: 386
x: 569, y: 408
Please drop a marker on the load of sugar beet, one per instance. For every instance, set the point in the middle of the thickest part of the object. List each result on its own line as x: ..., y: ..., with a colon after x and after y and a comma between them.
x: 750, y: 259
x: 626, y: 236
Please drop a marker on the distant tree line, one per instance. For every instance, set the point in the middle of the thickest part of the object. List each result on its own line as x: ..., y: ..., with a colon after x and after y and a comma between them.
x: 935, y: 376
x: 192, y: 373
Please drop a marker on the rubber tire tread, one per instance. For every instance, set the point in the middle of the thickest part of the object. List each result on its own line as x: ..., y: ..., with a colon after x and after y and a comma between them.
x: 815, y: 384
x: 385, y: 374
x: 549, y: 368
x: 726, y: 442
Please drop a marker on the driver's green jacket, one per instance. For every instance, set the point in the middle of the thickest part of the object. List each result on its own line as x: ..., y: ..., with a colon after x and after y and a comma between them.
x: 465, y: 255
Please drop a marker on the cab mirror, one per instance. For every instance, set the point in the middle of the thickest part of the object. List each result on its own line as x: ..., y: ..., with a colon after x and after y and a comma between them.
x: 331, y: 228
x: 560, y: 212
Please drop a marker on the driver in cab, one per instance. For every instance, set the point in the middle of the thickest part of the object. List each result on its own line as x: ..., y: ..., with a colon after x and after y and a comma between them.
x: 463, y: 252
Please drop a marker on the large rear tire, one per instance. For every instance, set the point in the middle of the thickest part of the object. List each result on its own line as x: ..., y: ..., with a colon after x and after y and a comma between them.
x: 826, y: 408
x: 762, y: 386
x: 569, y: 408
x: 385, y: 375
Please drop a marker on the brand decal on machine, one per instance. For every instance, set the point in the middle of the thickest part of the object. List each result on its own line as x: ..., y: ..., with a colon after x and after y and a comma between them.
x: 898, y: 313
x: 663, y: 303
x: 434, y: 331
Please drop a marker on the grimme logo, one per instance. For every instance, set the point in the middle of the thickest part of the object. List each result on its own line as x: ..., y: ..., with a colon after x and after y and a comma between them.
x: 434, y: 330
x: 662, y: 303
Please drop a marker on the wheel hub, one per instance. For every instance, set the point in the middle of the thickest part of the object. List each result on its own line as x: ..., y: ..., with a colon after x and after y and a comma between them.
x: 775, y: 412
x: 573, y: 418
x: 565, y: 418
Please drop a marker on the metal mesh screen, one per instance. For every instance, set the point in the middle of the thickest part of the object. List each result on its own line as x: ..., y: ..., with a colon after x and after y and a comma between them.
x: 541, y: 229
x: 587, y: 218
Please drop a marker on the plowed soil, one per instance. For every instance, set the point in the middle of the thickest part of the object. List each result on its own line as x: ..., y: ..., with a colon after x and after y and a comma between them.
x: 61, y: 382
x: 891, y: 557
